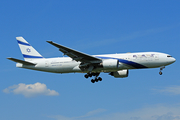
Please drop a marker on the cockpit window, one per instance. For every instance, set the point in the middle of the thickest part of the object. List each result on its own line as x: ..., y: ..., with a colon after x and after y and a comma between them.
x: 169, y: 56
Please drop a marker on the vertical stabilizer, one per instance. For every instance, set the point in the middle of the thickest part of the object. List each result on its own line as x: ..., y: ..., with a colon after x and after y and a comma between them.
x: 29, y: 53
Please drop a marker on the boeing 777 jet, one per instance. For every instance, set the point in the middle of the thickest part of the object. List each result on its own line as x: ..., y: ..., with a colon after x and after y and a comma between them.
x: 117, y: 65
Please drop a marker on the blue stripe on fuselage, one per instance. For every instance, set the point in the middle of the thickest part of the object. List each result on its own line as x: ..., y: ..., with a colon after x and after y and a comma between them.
x: 29, y: 56
x: 133, y: 64
x: 22, y: 43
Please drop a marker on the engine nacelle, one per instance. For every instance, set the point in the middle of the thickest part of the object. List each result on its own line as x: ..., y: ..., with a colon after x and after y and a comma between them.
x: 110, y: 63
x: 120, y: 73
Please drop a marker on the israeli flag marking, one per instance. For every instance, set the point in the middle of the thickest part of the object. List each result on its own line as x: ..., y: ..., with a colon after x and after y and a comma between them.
x: 28, y: 50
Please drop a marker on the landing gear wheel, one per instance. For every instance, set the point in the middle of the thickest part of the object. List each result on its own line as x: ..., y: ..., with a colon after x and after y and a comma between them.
x: 100, y: 79
x: 161, y: 68
x: 93, y: 81
x: 86, y: 76
x: 93, y: 74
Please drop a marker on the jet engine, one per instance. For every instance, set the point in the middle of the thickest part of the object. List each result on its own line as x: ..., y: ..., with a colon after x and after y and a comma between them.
x: 110, y: 64
x: 120, y: 73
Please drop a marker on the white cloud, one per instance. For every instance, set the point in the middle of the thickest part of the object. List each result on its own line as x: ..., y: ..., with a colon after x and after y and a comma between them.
x: 31, y: 90
x: 156, y: 112
x: 174, y: 90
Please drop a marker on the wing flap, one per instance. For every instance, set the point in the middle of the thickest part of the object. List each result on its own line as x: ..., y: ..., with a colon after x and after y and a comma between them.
x: 21, y: 61
x: 76, y: 55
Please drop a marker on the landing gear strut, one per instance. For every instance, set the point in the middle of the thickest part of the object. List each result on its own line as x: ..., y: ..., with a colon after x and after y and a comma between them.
x: 161, y: 68
x: 93, y: 74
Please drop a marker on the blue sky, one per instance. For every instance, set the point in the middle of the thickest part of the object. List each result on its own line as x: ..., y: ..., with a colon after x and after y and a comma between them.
x: 93, y: 27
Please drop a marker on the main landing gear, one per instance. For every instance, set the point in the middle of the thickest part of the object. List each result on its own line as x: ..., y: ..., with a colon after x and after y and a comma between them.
x: 161, y: 68
x: 96, y: 79
x: 93, y: 74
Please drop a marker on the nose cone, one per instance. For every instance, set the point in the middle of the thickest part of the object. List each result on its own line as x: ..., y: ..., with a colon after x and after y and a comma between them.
x: 173, y: 60
x: 170, y: 60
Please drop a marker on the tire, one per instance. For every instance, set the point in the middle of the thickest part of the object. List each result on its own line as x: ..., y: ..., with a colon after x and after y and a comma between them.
x: 86, y: 76
x: 100, y: 79
x: 93, y: 81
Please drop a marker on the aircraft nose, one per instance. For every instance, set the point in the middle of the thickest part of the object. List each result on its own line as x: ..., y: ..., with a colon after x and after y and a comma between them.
x: 170, y: 59
x: 173, y: 60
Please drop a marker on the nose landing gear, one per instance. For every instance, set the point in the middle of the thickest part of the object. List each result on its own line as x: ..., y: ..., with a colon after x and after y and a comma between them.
x: 161, y: 68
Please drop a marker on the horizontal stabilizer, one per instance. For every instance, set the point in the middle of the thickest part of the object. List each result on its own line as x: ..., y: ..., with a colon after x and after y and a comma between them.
x: 21, y: 61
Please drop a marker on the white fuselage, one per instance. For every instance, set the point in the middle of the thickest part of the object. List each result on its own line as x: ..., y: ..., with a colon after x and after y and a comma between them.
x: 126, y: 61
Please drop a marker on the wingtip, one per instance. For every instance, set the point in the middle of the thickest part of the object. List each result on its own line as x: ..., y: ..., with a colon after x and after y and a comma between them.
x: 8, y: 58
x: 49, y: 41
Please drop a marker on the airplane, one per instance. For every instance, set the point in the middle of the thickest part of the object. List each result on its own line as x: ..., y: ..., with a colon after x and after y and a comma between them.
x: 117, y: 65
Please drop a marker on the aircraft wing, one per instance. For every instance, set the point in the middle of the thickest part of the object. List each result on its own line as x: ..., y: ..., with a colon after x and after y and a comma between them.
x: 76, y: 55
